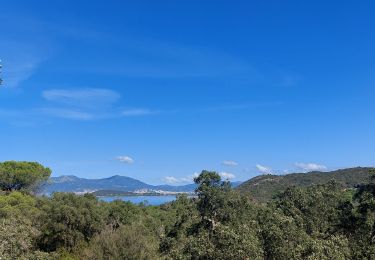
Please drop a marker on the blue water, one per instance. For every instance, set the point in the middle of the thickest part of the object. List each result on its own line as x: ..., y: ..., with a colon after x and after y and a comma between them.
x: 149, y: 200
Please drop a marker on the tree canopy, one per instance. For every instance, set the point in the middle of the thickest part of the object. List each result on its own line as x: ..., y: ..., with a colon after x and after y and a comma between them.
x: 22, y: 175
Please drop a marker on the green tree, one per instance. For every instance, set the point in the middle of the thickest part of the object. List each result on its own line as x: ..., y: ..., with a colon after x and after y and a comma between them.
x: 315, y: 208
x: 184, y: 214
x: 213, y: 200
x: 70, y: 220
x: 305, y: 223
x: 281, y: 237
x: 22, y: 175
x: 17, y: 237
x: 222, y: 225
x: 363, y: 233
x: 121, y: 213
x: 17, y: 204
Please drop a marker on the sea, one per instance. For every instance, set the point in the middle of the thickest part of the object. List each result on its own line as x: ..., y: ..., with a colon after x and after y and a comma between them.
x: 147, y: 200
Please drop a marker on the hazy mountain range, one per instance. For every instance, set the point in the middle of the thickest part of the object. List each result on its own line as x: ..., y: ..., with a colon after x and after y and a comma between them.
x: 261, y: 188
x: 71, y: 183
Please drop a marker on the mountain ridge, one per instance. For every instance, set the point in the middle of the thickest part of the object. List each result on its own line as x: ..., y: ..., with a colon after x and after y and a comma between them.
x: 263, y: 187
x: 72, y: 183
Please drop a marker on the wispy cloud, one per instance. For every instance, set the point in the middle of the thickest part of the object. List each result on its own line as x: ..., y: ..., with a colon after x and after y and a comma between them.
x: 80, y: 103
x: 23, y: 48
x: 66, y: 113
x: 125, y: 159
x: 16, y: 72
x: 169, y: 60
x: 310, y: 166
x: 229, y: 163
x: 19, y: 62
x: 9, y: 113
x: 263, y: 169
x: 175, y: 180
x: 171, y: 180
x: 89, y: 104
x: 236, y: 107
x: 39, y: 113
x: 190, y: 178
x: 227, y: 175
x: 85, y: 97
x: 102, y: 103
x: 97, y: 104
x: 138, y: 112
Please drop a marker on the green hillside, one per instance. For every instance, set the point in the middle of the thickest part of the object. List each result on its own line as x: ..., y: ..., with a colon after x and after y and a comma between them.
x: 264, y: 187
x: 314, y: 222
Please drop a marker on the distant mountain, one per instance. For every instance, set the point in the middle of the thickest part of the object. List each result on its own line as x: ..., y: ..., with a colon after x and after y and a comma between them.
x: 74, y: 184
x: 264, y: 187
x: 70, y: 183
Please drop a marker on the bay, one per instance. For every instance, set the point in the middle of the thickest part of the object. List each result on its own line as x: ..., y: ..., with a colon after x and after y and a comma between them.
x: 148, y: 200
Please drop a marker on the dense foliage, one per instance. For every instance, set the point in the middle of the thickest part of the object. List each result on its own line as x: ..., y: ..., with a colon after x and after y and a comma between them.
x: 324, y: 221
x: 22, y: 175
x: 265, y: 187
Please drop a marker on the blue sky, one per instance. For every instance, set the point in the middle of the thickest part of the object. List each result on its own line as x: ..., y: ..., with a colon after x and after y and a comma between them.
x: 160, y: 90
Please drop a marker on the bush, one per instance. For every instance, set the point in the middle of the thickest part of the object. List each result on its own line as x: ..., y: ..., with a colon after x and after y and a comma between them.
x: 127, y: 242
x: 70, y: 220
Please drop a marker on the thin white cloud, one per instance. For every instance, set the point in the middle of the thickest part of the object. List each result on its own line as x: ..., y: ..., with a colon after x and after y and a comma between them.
x: 190, y: 178
x: 15, y: 72
x: 86, y: 97
x: 227, y: 175
x: 125, y: 159
x: 66, y: 113
x: 13, y: 113
x: 171, y: 61
x: 311, y: 167
x: 137, y: 112
x: 193, y: 176
x: 171, y: 180
x: 229, y: 163
x: 175, y: 180
x: 80, y: 104
x: 264, y: 169
x: 41, y: 113
x: 21, y: 58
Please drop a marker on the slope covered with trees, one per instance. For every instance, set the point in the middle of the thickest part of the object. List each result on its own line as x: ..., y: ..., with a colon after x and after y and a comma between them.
x: 316, y: 222
x: 264, y: 187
